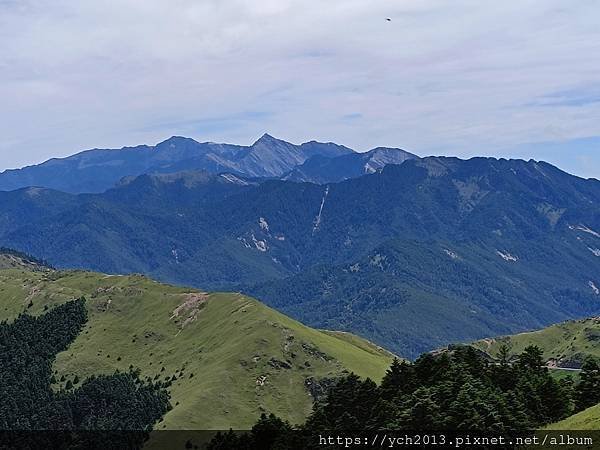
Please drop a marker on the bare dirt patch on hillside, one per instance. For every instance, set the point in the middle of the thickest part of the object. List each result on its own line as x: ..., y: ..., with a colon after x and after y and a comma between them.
x: 188, y: 311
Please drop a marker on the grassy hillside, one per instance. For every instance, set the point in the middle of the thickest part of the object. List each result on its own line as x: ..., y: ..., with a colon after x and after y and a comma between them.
x: 585, y: 420
x: 232, y: 357
x: 565, y: 344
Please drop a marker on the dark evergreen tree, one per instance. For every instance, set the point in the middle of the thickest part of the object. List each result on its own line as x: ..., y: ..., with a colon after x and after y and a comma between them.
x: 399, y: 380
x: 229, y: 441
x: 349, y: 406
x: 555, y: 400
x: 532, y: 359
x: 587, y: 391
x: 28, y: 347
x: 269, y: 430
x: 420, y: 412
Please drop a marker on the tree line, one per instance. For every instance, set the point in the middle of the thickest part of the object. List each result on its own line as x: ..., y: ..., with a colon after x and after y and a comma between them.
x: 121, y: 401
x: 459, y: 390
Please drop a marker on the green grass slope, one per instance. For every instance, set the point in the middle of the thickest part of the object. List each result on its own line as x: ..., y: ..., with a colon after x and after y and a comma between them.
x: 585, y: 420
x: 232, y: 357
x: 565, y: 344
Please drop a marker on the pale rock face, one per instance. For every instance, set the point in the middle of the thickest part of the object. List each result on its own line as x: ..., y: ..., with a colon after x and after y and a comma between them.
x: 378, y: 260
x: 382, y: 156
x: 595, y: 251
x: 318, y: 218
x: 450, y: 253
x: 507, y: 256
x: 271, y: 156
x: 254, y: 243
x: 585, y: 230
x: 369, y: 168
x: 260, y: 244
x: 244, y: 242
x: 233, y: 179
x: 264, y: 225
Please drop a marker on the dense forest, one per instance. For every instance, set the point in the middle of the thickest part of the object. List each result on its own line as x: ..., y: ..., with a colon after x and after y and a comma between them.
x: 121, y: 401
x: 460, y: 390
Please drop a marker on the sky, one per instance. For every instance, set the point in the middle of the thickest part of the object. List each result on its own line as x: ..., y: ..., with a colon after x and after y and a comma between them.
x: 462, y: 78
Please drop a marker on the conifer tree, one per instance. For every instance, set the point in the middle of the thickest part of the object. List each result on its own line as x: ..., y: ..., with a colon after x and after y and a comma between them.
x: 587, y: 391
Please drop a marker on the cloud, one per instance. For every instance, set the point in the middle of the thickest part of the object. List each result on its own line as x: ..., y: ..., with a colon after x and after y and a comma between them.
x: 461, y: 77
x: 581, y: 96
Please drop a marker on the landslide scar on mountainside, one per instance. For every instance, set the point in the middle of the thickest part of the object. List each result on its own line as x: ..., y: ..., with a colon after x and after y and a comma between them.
x: 188, y: 311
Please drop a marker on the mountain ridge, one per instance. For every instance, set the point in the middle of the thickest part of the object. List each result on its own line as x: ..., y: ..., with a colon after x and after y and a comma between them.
x: 500, y: 246
x: 330, y: 170
x: 227, y: 357
x: 565, y: 345
x: 96, y: 170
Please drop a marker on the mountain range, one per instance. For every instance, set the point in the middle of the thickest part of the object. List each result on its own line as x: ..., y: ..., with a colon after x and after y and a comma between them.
x: 228, y: 357
x: 225, y: 358
x: 412, y: 256
x: 97, y: 170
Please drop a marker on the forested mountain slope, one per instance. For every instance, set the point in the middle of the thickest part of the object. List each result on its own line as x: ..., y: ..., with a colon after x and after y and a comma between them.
x: 416, y: 256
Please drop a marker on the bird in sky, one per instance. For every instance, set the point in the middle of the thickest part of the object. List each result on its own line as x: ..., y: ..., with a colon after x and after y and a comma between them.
x: 388, y: 19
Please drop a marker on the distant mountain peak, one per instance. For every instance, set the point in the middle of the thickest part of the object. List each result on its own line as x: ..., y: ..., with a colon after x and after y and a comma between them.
x: 173, y: 141
x: 267, y: 139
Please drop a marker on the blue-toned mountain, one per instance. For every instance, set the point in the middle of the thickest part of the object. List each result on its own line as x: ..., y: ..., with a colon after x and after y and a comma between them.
x: 97, y: 170
x: 413, y: 257
x: 320, y: 169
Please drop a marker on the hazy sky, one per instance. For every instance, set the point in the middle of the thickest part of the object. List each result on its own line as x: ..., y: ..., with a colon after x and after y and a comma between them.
x: 461, y: 77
